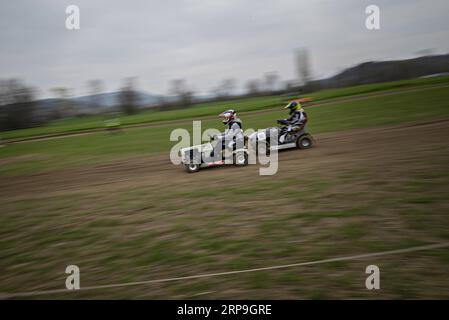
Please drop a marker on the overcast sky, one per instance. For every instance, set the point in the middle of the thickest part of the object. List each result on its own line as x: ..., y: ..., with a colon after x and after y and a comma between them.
x: 205, y: 41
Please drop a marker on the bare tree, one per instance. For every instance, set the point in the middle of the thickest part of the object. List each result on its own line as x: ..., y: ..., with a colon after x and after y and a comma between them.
x: 270, y: 81
x: 184, y: 95
x: 5, y: 92
x: 128, y: 96
x: 17, y: 105
x: 61, y: 92
x: 303, y: 65
x: 177, y: 87
x: 253, y: 87
x: 64, y: 103
x: 229, y: 85
x: 225, y: 89
x: 289, y: 86
x: 95, y: 88
x: 216, y: 92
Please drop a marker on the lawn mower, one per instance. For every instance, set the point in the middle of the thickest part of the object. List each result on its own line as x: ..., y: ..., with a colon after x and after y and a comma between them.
x: 286, y: 139
x: 212, y: 154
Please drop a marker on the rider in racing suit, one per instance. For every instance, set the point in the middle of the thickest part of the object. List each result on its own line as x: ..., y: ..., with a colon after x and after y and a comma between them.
x: 233, y: 136
x: 297, y: 120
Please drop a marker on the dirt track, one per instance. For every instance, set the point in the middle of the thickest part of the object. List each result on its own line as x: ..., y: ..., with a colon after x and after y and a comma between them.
x: 380, y: 145
x: 357, y: 191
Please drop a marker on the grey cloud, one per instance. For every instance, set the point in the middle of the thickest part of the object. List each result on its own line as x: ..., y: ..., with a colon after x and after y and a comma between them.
x: 205, y: 41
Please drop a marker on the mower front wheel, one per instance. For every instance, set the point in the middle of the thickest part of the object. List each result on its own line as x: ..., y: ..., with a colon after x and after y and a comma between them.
x: 241, y: 159
x: 192, y: 167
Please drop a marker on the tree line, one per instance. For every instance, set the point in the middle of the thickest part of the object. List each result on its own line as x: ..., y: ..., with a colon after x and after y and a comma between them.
x: 19, y: 108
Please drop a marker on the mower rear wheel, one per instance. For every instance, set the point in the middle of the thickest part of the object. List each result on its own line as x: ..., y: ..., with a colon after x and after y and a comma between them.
x: 264, y: 148
x: 304, y: 142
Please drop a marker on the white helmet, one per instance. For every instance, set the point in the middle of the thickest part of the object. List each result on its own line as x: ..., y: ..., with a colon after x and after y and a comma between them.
x: 228, y: 115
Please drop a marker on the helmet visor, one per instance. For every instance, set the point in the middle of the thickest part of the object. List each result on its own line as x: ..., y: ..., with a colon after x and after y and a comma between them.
x: 226, y: 116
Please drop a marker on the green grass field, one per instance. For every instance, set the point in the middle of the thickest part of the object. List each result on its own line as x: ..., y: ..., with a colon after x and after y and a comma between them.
x: 210, y: 109
x: 103, y: 147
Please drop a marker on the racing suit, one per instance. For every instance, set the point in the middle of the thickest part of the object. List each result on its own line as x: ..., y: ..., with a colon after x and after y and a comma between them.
x: 295, y: 123
x: 232, y: 137
x: 297, y: 120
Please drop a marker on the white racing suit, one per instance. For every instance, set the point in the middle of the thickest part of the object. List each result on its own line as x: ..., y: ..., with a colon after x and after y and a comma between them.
x: 231, y: 139
x: 234, y: 134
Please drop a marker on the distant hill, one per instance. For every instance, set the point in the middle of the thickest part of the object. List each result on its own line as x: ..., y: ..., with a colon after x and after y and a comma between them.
x: 384, y: 71
x: 111, y: 99
x: 98, y: 103
x: 364, y: 73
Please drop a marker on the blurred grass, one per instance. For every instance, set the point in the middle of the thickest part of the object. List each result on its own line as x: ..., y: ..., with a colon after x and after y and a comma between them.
x: 132, y: 234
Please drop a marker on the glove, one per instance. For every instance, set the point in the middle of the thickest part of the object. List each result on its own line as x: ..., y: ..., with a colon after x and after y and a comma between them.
x: 283, y: 122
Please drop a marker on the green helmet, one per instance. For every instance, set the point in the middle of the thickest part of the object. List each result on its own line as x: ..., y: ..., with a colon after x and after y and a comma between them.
x: 293, y: 106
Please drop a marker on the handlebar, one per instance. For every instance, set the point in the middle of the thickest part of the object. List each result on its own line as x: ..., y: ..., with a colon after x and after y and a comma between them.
x: 282, y: 121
